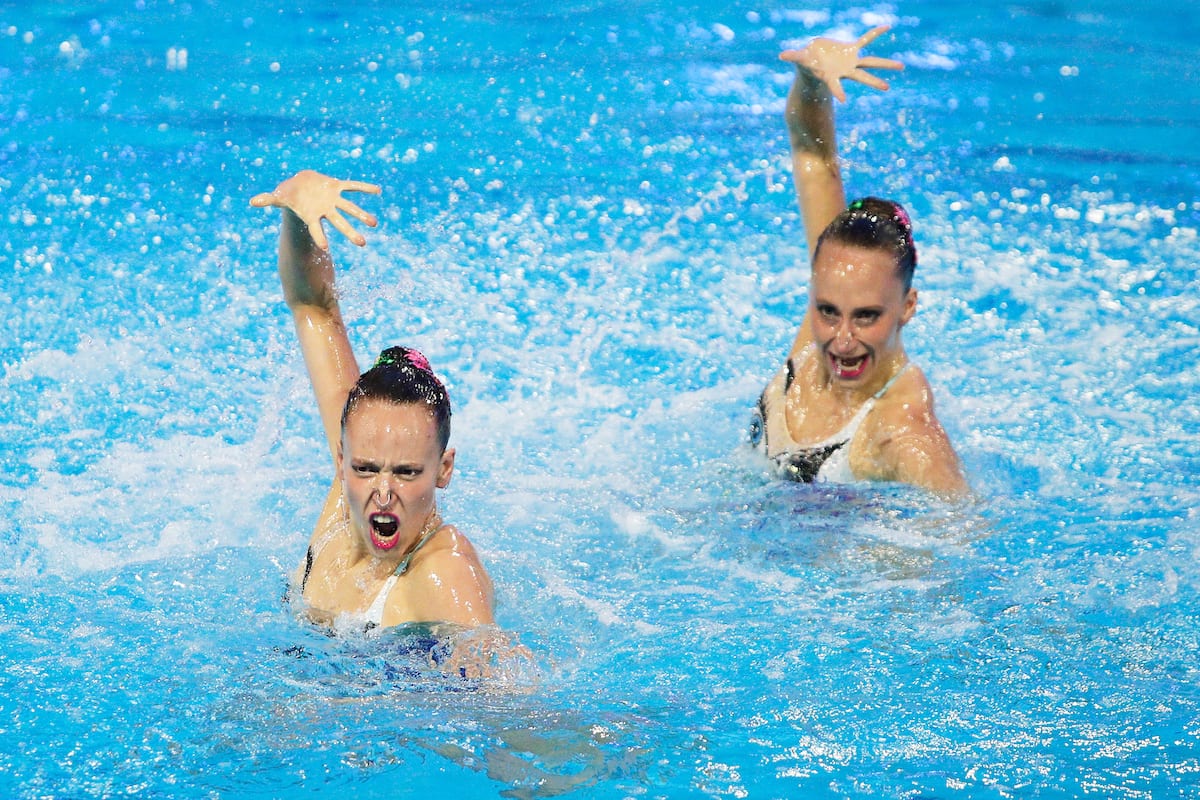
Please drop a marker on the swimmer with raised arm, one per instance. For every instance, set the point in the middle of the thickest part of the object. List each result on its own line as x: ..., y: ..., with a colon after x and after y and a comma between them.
x: 848, y: 404
x: 380, y: 551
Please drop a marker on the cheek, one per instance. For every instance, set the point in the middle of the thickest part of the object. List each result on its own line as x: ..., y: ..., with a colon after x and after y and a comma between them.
x: 822, y: 328
x: 420, y: 489
x: 353, y: 492
x: 891, y: 334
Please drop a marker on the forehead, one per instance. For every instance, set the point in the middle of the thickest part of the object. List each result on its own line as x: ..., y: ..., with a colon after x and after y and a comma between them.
x: 377, y: 428
x: 846, y: 275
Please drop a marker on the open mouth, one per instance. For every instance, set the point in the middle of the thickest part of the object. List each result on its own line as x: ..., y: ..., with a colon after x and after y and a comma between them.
x: 384, y: 530
x: 848, y: 368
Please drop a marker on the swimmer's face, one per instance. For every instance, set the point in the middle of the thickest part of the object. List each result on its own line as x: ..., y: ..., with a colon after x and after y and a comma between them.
x: 391, y: 465
x: 857, y: 305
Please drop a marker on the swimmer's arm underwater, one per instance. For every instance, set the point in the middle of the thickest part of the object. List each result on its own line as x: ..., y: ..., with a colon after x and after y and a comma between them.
x: 307, y: 276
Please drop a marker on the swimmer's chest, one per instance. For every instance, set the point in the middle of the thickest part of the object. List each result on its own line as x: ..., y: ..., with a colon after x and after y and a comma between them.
x: 340, y: 583
x: 812, y: 414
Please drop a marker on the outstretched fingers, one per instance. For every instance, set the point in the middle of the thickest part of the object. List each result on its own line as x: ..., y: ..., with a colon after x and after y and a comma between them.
x: 830, y: 62
x: 313, y: 197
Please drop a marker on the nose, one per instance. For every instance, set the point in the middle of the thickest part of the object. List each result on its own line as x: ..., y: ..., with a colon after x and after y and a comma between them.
x: 843, y: 337
x: 383, y: 492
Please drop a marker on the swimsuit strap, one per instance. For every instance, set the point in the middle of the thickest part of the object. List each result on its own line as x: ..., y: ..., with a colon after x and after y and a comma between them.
x: 892, y: 380
x: 431, y: 527
x: 851, y: 428
x: 375, y: 612
x: 308, y: 562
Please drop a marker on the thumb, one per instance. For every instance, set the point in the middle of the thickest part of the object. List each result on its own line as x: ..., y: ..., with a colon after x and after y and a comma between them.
x: 835, y: 88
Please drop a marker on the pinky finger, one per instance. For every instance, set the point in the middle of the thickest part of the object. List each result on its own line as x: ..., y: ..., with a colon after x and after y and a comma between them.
x: 835, y: 89
x: 317, y: 232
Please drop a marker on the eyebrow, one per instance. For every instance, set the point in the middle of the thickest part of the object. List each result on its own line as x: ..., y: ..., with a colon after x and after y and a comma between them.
x: 363, y: 461
x: 856, y: 310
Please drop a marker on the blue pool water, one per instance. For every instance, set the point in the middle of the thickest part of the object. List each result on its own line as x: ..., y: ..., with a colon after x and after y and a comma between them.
x: 588, y: 225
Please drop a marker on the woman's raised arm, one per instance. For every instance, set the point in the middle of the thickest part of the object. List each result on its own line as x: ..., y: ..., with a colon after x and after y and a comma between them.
x: 820, y: 69
x: 307, y: 276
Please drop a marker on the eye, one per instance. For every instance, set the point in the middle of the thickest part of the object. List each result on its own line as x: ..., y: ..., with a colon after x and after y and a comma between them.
x: 407, y: 473
x: 827, y: 311
x: 365, y: 469
x: 867, y: 317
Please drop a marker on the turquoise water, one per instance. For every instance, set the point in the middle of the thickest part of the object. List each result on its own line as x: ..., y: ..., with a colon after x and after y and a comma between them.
x: 587, y: 224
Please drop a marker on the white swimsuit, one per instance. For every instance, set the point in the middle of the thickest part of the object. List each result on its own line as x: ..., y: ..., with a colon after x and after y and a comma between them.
x: 825, y: 461
x: 375, y: 612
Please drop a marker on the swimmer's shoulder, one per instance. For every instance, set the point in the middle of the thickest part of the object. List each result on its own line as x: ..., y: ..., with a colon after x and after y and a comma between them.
x: 452, y: 583
x: 903, y: 412
x: 908, y: 442
x: 910, y: 398
x: 451, y: 553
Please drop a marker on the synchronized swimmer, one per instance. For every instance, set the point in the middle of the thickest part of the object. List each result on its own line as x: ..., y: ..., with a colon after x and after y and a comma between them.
x: 380, y: 550
x: 847, y: 405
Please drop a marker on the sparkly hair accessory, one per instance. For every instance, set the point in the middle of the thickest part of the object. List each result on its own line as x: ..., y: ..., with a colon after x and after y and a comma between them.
x: 418, y: 360
x: 898, y: 213
x: 396, y: 356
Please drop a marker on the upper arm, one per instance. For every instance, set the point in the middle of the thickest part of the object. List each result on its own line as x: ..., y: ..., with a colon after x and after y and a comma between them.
x: 329, y: 359
x: 812, y: 138
x: 307, y: 276
x: 820, y: 193
x: 815, y: 170
x: 913, y: 446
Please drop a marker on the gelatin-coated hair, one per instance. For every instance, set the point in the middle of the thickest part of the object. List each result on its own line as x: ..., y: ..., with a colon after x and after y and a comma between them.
x: 876, y: 224
x: 402, y: 375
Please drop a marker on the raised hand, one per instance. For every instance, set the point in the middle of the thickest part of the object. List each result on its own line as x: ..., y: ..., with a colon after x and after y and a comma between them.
x: 313, y: 197
x: 831, y: 62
